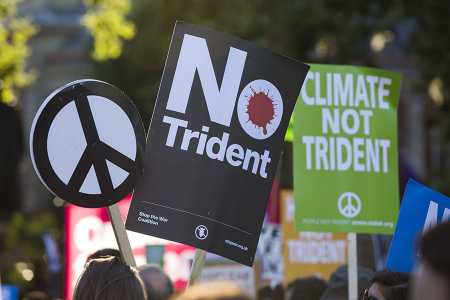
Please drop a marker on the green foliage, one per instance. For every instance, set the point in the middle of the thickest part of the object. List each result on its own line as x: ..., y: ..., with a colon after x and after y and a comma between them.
x: 105, y: 20
x: 311, y: 31
x: 21, y: 243
x: 431, y: 43
x: 26, y: 231
x: 15, y: 32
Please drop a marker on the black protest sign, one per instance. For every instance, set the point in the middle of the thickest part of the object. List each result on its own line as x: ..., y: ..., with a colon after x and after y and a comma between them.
x: 214, y: 143
x: 87, y: 142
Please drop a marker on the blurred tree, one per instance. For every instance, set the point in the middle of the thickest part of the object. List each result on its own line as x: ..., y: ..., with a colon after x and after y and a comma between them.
x: 319, y: 31
x: 15, y: 32
x: 11, y: 152
x: 105, y: 20
x: 21, y: 244
x: 430, y: 44
x: 14, y: 35
x: 139, y: 69
x: 312, y: 31
x: 22, y: 249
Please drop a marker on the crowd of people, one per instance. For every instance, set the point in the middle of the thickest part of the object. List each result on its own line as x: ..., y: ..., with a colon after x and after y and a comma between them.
x: 106, y: 277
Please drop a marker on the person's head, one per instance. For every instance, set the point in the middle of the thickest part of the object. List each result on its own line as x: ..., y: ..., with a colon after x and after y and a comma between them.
x: 278, y: 292
x: 109, y: 278
x: 36, y: 295
x: 387, y: 285
x: 432, y: 277
x: 264, y: 293
x: 218, y: 290
x: 157, y: 284
x: 338, y: 283
x: 308, y: 288
x: 335, y: 293
x: 104, y: 253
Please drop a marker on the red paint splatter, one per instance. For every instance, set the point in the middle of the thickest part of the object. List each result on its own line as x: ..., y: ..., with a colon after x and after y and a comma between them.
x: 260, y: 109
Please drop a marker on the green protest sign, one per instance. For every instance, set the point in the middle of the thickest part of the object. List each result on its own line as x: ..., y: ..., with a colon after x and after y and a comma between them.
x: 289, y: 136
x: 345, y: 150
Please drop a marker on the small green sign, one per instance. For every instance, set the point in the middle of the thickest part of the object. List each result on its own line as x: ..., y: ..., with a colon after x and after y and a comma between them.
x: 345, y: 150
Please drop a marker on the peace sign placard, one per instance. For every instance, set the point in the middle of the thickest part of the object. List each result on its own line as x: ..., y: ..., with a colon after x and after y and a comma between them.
x: 86, y: 143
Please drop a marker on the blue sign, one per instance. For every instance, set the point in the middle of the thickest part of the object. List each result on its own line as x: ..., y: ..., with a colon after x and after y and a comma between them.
x: 9, y: 292
x: 421, y: 209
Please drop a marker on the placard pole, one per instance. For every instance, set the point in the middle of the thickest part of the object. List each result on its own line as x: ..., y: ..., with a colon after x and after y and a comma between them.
x: 121, y: 235
x: 1, y: 292
x: 352, y: 269
x: 197, y: 266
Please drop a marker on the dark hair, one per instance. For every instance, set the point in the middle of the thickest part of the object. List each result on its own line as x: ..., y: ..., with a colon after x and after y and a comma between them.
x: 104, y: 253
x: 308, y: 288
x: 264, y: 293
x: 394, y: 284
x: 335, y: 293
x: 36, y: 295
x: 213, y: 290
x: 434, y: 249
x: 278, y: 292
x: 390, y: 278
x: 157, y: 284
x: 398, y: 292
x: 109, y: 279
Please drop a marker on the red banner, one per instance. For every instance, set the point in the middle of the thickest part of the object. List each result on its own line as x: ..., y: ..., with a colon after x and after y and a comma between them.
x: 89, y: 229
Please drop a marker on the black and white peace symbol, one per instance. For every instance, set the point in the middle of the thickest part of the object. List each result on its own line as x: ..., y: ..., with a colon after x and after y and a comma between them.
x: 87, y: 142
x: 349, y: 204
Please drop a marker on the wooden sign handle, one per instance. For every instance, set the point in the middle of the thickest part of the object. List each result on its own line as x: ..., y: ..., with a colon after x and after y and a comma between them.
x: 121, y: 235
x: 352, y: 267
x: 197, y: 266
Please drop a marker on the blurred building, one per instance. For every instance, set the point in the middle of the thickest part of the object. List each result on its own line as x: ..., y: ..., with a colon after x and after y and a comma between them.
x: 60, y: 54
